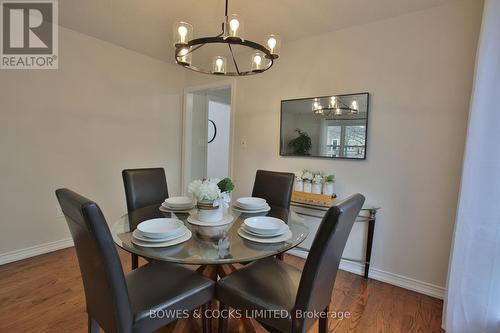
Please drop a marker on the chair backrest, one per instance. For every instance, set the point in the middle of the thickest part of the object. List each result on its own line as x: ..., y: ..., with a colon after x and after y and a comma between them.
x: 320, y: 270
x: 106, y: 291
x: 144, y: 187
x: 275, y: 187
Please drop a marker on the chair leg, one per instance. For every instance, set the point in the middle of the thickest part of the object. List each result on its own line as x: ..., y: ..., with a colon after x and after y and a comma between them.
x: 223, y: 322
x: 205, y: 321
x: 323, y: 321
x: 93, y: 327
x: 135, y: 261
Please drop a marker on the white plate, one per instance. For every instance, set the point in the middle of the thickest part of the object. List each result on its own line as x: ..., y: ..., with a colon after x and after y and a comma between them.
x: 172, y: 242
x: 193, y: 219
x: 137, y: 235
x: 282, y: 231
x: 266, y: 240
x: 250, y: 203
x: 165, y: 208
x: 159, y: 228
x: 251, y: 211
x: 179, y: 202
x: 264, y: 225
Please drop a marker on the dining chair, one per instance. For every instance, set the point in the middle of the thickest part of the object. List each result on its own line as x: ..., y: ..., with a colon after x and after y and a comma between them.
x: 275, y: 187
x: 143, y: 300
x: 290, y: 291
x: 144, y: 187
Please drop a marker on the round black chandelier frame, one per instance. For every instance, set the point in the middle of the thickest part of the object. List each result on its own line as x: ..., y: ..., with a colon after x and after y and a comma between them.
x: 195, y: 44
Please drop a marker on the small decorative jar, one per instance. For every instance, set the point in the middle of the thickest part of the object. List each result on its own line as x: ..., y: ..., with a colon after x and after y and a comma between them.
x: 307, y: 186
x: 207, y: 212
x: 299, y: 185
x: 328, y: 188
x: 316, y: 188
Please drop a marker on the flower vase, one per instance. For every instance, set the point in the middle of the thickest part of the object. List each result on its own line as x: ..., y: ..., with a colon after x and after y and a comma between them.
x: 207, y: 212
x: 316, y: 188
x: 328, y: 188
x: 307, y: 186
x: 299, y: 185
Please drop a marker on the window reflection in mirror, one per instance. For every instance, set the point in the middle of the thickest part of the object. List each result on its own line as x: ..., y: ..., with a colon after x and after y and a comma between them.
x: 330, y: 126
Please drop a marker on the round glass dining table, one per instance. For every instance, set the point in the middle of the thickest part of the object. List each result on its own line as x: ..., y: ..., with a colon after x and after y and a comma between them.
x: 208, y: 245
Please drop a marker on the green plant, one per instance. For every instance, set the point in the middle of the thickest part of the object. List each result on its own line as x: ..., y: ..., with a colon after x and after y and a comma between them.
x: 330, y: 179
x: 226, y: 185
x: 301, y: 144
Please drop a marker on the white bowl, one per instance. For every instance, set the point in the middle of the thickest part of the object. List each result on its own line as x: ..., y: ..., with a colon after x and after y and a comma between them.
x: 264, y: 225
x: 251, y: 202
x: 179, y: 202
x: 159, y: 228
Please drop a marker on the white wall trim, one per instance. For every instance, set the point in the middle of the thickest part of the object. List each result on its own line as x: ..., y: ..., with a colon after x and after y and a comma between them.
x: 36, y: 250
x: 387, y: 277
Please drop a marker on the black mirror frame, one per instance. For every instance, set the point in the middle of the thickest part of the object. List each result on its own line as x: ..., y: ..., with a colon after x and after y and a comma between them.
x: 327, y: 157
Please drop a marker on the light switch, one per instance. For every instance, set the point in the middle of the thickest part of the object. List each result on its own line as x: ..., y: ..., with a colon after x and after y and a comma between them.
x: 244, y: 143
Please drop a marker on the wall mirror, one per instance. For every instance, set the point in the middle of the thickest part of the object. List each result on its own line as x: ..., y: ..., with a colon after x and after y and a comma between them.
x: 330, y: 126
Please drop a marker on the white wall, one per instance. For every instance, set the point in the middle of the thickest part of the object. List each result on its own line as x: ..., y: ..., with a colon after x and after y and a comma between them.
x: 105, y: 109
x: 418, y: 69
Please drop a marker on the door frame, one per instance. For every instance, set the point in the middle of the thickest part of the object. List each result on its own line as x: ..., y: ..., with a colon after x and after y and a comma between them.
x: 187, y: 113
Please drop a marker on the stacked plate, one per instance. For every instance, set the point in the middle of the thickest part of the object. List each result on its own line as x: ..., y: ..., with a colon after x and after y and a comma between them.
x: 160, y: 232
x: 251, y: 205
x: 177, y: 205
x: 265, y: 229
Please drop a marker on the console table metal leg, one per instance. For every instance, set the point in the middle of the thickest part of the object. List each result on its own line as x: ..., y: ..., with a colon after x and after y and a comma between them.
x: 369, y: 242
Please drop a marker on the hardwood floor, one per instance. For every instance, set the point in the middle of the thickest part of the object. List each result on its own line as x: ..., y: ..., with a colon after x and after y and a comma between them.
x: 45, y: 294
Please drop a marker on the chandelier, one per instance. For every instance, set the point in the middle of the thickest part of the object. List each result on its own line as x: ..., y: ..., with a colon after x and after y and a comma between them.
x: 333, y: 106
x: 262, y: 57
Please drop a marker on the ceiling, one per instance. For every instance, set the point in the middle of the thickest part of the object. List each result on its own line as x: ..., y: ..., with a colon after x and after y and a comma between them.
x: 145, y: 26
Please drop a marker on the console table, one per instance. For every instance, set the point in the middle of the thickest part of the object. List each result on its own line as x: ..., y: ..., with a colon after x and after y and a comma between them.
x: 313, y: 213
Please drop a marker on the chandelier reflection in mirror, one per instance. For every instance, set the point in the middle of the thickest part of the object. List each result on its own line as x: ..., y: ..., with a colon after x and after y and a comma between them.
x: 261, y: 59
x: 333, y: 106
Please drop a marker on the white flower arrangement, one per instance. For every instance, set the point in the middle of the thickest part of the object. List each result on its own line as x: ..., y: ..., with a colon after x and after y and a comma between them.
x: 299, y: 175
x: 318, y: 178
x: 308, y: 175
x: 205, y: 190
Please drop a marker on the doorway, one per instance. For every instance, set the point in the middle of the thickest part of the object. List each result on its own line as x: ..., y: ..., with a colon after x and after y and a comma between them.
x: 207, y: 134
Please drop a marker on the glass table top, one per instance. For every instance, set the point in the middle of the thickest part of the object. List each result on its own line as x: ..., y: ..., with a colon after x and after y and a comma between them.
x: 208, y: 245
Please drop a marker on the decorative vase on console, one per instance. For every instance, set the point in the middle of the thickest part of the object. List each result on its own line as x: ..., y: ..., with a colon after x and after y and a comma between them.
x: 328, y: 185
x: 307, y: 177
x: 299, y: 182
x: 317, y: 183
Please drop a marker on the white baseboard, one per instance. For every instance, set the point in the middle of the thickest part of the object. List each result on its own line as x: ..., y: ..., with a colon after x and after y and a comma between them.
x: 36, y: 250
x: 387, y: 277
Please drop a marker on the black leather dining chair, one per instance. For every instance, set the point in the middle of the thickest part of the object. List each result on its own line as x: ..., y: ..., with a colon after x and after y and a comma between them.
x: 275, y: 187
x: 144, y: 187
x: 291, y: 291
x: 123, y: 303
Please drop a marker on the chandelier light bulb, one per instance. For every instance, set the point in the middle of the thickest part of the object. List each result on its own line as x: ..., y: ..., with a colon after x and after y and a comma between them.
x: 234, y: 24
x: 257, y: 62
x: 354, y: 107
x: 183, y: 33
x: 271, y: 42
x: 338, y: 112
x: 219, y: 65
x: 333, y: 102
